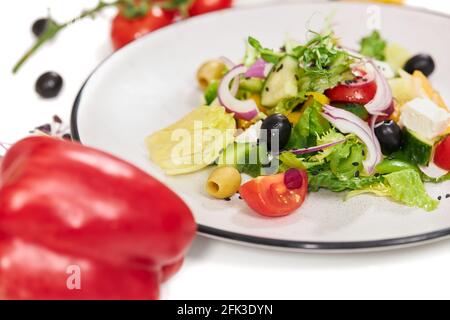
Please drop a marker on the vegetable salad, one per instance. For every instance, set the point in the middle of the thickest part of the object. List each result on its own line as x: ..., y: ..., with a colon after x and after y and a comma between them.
x: 314, y: 115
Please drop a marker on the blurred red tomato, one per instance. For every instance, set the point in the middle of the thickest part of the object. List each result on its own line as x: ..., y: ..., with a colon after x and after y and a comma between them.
x: 205, y: 6
x: 125, y: 30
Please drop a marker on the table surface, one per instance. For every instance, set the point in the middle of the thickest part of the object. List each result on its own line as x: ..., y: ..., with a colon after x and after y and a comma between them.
x: 213, y: 269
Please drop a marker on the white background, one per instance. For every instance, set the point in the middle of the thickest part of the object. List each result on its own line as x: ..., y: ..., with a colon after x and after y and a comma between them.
x: 213, y: 269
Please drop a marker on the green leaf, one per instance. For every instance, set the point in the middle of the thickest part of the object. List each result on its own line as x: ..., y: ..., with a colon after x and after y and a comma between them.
x: 373, y: 46
x: 289, y: 160
x: 403, y: 186
x: 324, y: 64
x: 329, y: 137
x: 346, y: 160
x: 319, y: 80
x: 287, y: 105
x: 380, y: 189
x: 251, y: 54
x: 327, y: 180
x: 310, y: 125
x: 268, y: 55
x: 211, y: 92
x: 408, y: 188
x: 254, y: 161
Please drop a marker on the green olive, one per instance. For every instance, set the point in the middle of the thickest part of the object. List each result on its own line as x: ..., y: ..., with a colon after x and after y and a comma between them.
x: 210, y: 71
x: 223, y: 182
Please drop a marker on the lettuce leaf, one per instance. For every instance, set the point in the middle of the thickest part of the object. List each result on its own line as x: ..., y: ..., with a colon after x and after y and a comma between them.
x: 329, y: 137
x: 380, y: 189
x: 407, y: 187
x: 327, y: 180
x: 346, y: 160
x: 310, y: 125
x: 286, y: 105
x: 403, y: 186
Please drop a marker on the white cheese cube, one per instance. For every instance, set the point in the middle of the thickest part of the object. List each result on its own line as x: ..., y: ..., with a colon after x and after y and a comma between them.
x: 251, y: 135
x: 425, y: 118
x: 385, y: 69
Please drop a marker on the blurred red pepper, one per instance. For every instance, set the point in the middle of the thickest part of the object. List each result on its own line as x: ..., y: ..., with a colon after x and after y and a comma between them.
x: 64, y: 204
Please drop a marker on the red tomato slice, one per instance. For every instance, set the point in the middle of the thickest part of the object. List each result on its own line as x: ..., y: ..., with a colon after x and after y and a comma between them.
x: 205, y: 6
x: 361, y: 93
x: 442, y: 154
x: 269, y: 196
x: 125, y: 30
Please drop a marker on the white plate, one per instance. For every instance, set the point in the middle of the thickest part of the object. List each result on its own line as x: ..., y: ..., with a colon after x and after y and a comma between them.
x: 151, y: 83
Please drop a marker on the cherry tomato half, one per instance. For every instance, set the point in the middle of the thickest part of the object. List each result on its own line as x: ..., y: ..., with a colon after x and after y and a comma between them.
x: 205, y: 6
x: 269, y: 196
x: 125, y: 30
x: 361, y: 93
x: 442, y: 154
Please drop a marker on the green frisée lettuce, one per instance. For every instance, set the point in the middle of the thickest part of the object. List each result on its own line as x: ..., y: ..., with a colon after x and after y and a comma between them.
x: 329, y: 137
x: 327, y: 180
x: 374, y: 46
x: 320, y: 79
x: 403, y: 186
x: 346, y: 159
x: 311, y: 125
x: 289, y: 160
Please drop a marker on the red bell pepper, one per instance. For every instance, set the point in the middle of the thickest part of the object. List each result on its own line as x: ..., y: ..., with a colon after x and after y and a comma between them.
x: 62, y: 203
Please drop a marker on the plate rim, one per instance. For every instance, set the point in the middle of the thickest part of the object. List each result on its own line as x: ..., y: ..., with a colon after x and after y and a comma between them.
x: 306, y: 246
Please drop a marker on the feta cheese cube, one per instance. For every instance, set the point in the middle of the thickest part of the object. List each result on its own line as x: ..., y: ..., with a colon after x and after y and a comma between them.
x: 385, y: 69
x: 251, y: 135
x: 425, y: 118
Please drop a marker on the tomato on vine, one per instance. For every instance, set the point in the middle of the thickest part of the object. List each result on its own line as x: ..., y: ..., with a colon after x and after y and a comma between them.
x: 135, y: 19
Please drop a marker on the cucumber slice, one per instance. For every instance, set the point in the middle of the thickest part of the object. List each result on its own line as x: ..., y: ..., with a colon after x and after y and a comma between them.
x: 233, y: 155
x: 253, y: 85
x: 416, y: 148
x: 281, y: 82
x: 247, y: 158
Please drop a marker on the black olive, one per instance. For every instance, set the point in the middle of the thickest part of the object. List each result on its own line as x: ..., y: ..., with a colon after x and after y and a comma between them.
x: 390, y: 136
x: 49, y: 85
x: 276, y: 126
x: 39, y: 26
x: 421, y: 62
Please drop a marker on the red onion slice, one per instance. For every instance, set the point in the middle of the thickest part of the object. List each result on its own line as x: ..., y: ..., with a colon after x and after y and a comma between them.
x: 316, y: 149
x: 260, y: 69
x: 347, y: 122
x: 230, y: 65
x: 246, y: 110
x: 227, y: 62
x: 383, y: 97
